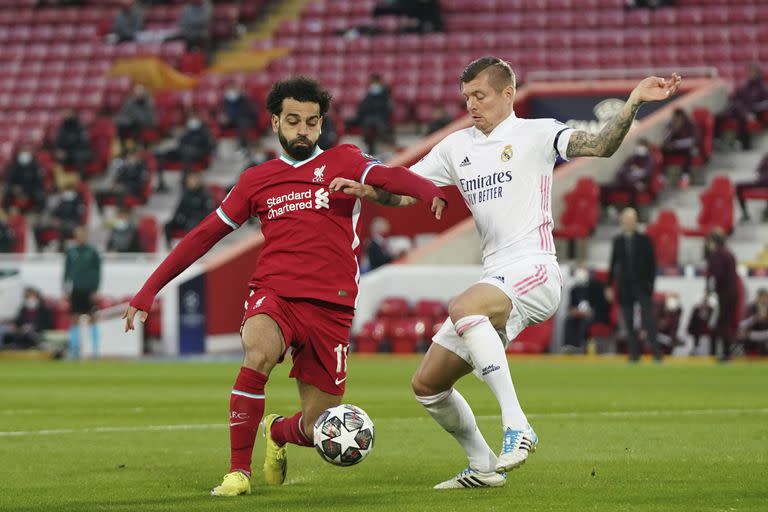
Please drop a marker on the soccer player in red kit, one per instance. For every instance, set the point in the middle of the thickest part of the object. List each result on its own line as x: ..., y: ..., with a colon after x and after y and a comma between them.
x: 304, y: 289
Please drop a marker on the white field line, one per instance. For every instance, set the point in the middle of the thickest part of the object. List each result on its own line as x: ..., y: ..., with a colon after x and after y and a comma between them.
x: 207, y: 426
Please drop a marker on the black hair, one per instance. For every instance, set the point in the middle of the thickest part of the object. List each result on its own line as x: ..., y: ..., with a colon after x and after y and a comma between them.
x: 501, y: 74
x: 300, y: 88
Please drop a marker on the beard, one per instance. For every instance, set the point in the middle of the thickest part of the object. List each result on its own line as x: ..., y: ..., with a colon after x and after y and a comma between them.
x: 295, y: 150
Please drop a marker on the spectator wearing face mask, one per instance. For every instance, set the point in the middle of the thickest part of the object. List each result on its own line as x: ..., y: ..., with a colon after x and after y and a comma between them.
x: 124, y: 236
x: 702, y: 322
x: 747, y: 103
x: 682, y: 139
x: 72, y: 146
x: 374, y: 113
x: 63, y: 218
x: 194, y: 146
x: 24, y: 182
x: 128, y: 180
x: 753, y: 330
x: 237, y: 113
x: 668, y: 321
x: 135, y: 115
x: 128, y: 22
x: 194, y: 205
x: 634, y: 177
x: 723, y: 281
x: 586, y: 305
x: 376, y: 249
x: 32, y: 320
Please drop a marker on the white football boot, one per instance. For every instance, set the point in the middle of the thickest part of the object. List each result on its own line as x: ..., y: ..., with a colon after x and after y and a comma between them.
x: 470, y: 478
x: 516, y: 447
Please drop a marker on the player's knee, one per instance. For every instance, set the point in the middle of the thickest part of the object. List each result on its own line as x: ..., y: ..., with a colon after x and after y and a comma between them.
x: 423, y: 388
x: 257, y: 360
x: 460, y: 308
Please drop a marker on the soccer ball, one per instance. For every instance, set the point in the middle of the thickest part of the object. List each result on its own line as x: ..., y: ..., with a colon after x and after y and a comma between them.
x: 344, y: 435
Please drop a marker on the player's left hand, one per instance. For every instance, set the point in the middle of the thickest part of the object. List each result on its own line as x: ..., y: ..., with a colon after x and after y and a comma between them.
x: 438, y: 205
x: 352, y: 188
x: 655, y: 88
x: 129, y: 315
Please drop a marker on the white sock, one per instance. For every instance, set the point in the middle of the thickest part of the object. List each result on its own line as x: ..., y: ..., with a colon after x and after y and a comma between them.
x: 452, y: 412
x: 490, y: 360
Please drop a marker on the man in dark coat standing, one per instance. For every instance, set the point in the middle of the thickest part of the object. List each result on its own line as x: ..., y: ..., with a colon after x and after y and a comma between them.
x: 633, y: 269
x: 723, y: 280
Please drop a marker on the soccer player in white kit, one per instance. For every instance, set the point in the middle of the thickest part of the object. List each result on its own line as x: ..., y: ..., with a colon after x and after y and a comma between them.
x: 503, y: 167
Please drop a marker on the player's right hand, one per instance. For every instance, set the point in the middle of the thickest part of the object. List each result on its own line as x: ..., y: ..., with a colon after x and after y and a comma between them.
x: 352, y: 188
x: 438, y: 205
x: 129, y: 315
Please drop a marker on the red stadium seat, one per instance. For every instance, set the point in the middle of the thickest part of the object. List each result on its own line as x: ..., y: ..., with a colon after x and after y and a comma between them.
x: 394, y: 307
x: 370, y: 336
x: 665, y: 234
x: 716, y: 209
x: 535, y: 339
x: 148, y: 232
x: 582, y: 208
x: 18, y: 225
x: 406, y: 334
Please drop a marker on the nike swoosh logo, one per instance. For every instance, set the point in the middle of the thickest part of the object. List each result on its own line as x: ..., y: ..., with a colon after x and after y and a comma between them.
x: 238, y: 423
x: 339, y: 381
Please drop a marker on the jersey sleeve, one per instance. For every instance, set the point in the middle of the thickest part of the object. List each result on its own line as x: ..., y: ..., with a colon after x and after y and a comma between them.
x: 434, y: 166
x: 556, y: 139
x: 236, y: 208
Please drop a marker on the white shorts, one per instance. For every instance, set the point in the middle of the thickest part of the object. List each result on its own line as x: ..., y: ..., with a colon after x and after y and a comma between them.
x: 534, y: 289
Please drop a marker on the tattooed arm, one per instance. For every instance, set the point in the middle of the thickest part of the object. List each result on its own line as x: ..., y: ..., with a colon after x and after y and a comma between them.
x: 609, y: 139
x: 375, y: 194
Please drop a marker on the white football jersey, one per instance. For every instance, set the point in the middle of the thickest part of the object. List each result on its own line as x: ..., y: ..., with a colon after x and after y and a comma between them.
x: 506, y: 180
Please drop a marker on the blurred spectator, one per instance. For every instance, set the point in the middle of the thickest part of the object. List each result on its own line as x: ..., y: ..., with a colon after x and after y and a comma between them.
x: 747, y: 103
x: 681, y: 140
x: 24, y: 182
x: 760, y: 183
x: 7, y: 235
x: 237, y: 113
x: 753, y: 330
x: 376, y: 250
x: 426, y: 12
x: 124, y: 236
x: 194, y: 146
x: 702, y: 322
x: 668, y: 316
x: 82, y: 277
x: 373, y: 114
x: 329, y: 136
x: 72, y: 146
x: 194, y: 205
x: 723, y: 280
x: 634, y: 177
x: 63, y: 218
x: 440, y: 119
x: 128, y: 179
x: 33, y: 318
x: 587, y: 304
x: 136, y: 114
x: 195, y: 24
x: 128, y: 22
x: 633, y: 268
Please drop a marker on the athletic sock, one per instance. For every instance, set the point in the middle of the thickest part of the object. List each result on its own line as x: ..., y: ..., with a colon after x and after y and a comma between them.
x: 246, y: 408
x: 452, y: 412
x: 74, y: 341
x: 95, y: 340
x: 490, y: 361
x: 289, y: 430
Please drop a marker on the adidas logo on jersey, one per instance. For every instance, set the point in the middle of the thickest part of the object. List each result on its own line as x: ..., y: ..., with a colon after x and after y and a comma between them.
x: 321, y: 199
x: 465, y: 162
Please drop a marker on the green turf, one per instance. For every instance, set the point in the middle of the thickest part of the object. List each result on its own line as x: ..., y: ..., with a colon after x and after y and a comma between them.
x: 613, y: 437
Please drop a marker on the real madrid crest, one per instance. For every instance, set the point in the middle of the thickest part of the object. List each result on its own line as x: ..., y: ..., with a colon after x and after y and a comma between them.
x: 506, y: 153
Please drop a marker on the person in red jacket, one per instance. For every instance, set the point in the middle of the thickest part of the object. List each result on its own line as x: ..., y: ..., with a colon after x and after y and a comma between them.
x: 304, y: 290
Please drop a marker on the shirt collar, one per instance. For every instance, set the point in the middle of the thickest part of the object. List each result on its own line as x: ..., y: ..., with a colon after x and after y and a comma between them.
x: 290, y: 161
x: 495, y: 133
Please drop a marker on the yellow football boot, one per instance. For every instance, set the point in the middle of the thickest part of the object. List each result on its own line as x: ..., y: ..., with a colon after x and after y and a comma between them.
x: 234, y: 484
x: 275, y: 457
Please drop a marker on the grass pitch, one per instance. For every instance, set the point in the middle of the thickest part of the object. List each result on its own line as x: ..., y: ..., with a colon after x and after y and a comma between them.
x: 151, y: 436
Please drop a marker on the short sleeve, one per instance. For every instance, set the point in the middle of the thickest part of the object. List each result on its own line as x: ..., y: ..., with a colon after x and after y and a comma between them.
x: 557, y: 137
x: 434, y: 166
x: 235, y: 209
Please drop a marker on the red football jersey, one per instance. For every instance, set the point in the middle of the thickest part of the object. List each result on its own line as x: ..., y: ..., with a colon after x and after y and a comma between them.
x: 312, y: 239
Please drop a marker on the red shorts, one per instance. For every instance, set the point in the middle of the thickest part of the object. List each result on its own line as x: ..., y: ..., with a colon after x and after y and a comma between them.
x: 316, y: 334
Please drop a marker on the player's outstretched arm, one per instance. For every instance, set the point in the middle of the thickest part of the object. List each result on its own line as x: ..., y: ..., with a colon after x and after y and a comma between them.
x: 194, y: 245
x: 373, y: 194
x: 605, y: 143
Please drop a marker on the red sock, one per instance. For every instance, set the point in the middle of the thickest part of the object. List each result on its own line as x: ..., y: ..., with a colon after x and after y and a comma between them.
x: 289, y: 430
x: 246, y: 408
